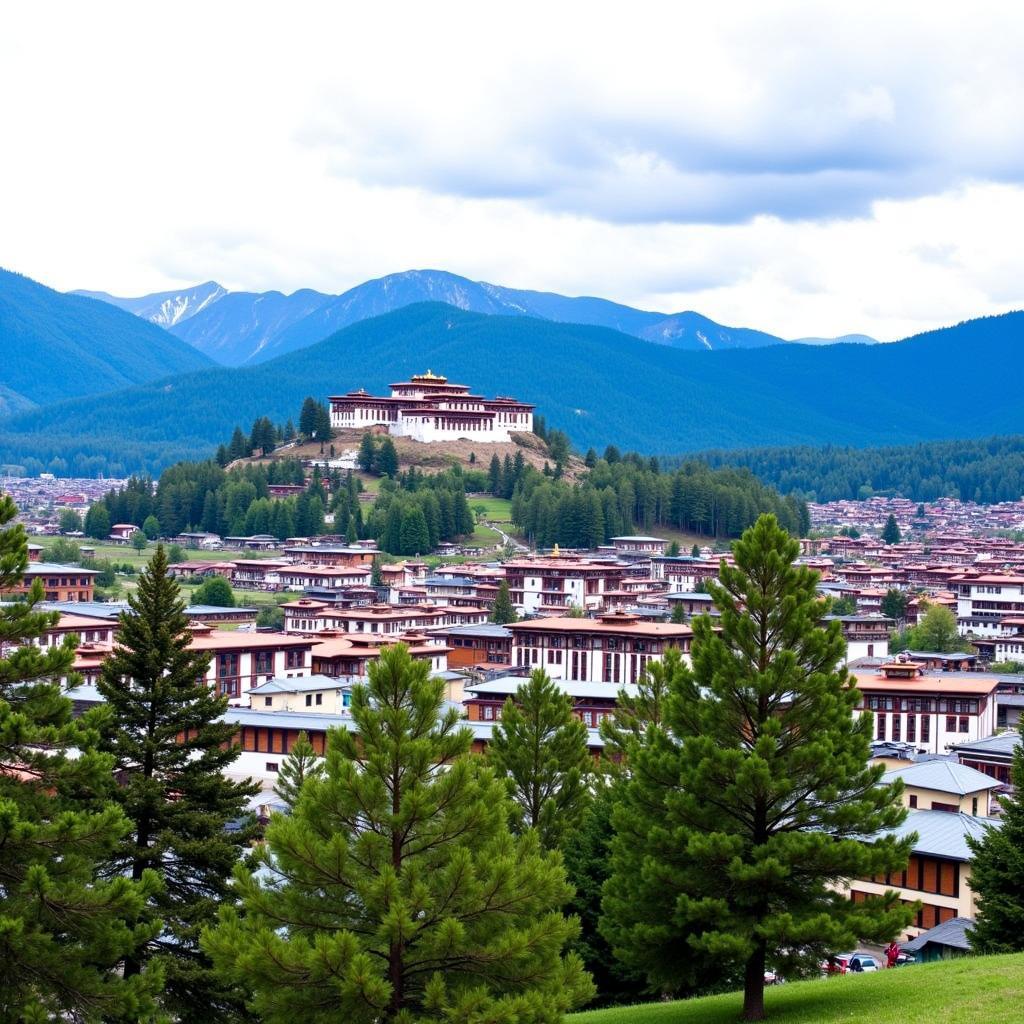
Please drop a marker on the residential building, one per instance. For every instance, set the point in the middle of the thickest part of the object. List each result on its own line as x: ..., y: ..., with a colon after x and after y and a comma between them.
x: 60, y: 582
x: 933, y: 711
x: 241, y: 661
x: 592, y: 703
x: 482, y: 645
x: 866, y: 636
x: 615, y: 648
x: 942, y: 785
x: 556, y: 582
x: 939, y: 872
x: 309, y: 693
x: 991, y: 754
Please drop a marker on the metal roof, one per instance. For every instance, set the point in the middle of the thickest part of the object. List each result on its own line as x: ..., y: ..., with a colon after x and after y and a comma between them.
x: 1003, y: 743
x: 943, y: 833
x: 506, y: 685
x: 98, y: 609
x: 943, y: 776
x: 952, y: 933
x: 207, y: 609
x: 35, y: 568
x: 302, y: 684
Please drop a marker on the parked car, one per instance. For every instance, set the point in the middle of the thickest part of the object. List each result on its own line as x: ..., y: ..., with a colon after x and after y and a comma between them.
x: 838, y: 964
x: 861, y: 963
x: 905, y: 958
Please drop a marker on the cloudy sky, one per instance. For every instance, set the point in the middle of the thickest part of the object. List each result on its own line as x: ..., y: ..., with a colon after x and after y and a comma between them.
x: 803, y: 168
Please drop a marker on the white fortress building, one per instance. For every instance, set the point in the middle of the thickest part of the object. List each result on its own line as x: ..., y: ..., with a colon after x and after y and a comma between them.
x: 428, y: 408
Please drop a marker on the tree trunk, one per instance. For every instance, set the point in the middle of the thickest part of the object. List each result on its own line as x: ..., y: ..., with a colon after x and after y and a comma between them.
x: 753, y: 985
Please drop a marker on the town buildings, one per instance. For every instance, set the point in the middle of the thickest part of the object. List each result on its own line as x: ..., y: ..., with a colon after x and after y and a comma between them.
x: 614, y: 648
x: 430, y: 408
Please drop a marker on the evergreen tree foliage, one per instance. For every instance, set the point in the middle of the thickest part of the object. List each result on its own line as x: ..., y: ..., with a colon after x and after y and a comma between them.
x: 395, y: 891
x: 97, y: 522
x: 587, y: 858
x: 302, y: 763
x: 997, y: 872
x: 308, y: 417
x: 63, y: 932
x: 678, y: 616
x: 503, y: 611
x: 151, y: 527
x: 367, y: 453
x: 894, y: 604
x: 753, y: 797
x: 634, y: 715
x: 891, y: 531
x: 215, y: 590
x: 189, y: 823
x: 69, y: 521
x: 540, y: 747
x: 386, y: 461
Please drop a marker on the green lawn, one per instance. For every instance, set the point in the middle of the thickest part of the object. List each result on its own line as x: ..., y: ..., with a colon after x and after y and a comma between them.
x: 499, y: 510
x: 972, y: 990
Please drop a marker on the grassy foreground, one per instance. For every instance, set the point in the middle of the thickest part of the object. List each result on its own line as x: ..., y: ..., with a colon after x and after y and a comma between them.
x: 972, y: 990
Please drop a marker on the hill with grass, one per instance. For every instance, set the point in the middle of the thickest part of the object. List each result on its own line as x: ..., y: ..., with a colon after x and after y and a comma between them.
x: 56, y: 346
x: 600, y: 386
x: 972, y: 990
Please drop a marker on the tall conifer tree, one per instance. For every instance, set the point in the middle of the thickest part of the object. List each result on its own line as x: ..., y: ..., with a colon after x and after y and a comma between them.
x: 997, y: 872
x: 188, y: 822
x: 395, y: 892
x: 63, y: 934
x: 540, y: 747
x: 302, y: 763
x: 503, y: 611
x: 752, y: 800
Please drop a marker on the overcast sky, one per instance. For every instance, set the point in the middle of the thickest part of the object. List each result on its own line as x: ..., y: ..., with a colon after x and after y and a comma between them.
x: 795, y: 167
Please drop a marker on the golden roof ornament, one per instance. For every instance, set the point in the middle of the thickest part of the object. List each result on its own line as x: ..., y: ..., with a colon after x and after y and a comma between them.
x: 555, y: 552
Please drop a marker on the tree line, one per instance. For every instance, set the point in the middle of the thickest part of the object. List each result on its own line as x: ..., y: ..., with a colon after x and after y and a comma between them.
x: 984, y: 470
x: 632, y: 493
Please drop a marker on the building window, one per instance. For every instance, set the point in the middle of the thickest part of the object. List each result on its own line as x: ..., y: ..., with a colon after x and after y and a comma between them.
x: 309, y: 700
x: 911, y: 728
x: 268, y: 701
x: 272, y: 767
x: 896, y: 723
x: 912, y: 799
x: 880, y: 730
x: 488, y: 712
x: 926, y: 728
x: 963, y: 724
x: 319, y: 698
x: 950, y: 723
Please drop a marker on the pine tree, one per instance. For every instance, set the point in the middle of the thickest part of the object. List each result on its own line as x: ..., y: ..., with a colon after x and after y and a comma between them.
x: 494, y: 476
x: 63, y: 931
x: 376, y: 577
x: 239, y: 447
x: 171, y: 751
x: 302, y: 763
x: 753, y: 797
x: 367, y: 453
x: 678, y: 616
x: 635, y: 714
x: 97, y: 522
x: 891, y: 531
x: 503, y: 611
x: 414, y: 538
x: 387, y: 459
x: 308, y: 417
x: 395, y: 892
x: 997, y: 872
x: 540, y: 747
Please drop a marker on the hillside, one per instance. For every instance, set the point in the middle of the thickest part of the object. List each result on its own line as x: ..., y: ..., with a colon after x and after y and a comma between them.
x: 599, y: 385
x: 973, y: 990
x: 58, y: 346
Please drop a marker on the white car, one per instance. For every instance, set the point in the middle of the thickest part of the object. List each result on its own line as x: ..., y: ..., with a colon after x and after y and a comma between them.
x: 862, y: 963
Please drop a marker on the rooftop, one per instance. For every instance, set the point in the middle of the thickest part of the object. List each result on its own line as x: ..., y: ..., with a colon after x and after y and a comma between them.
x: 943, y: 776
x: 505, y: 685
x: 942, y: 833
x: 1003, y: 743
x: 952, y: 933
x: 302, y: 684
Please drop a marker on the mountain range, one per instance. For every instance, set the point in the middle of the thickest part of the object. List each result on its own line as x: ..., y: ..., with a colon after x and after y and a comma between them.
x: 244, y: 328
x: 600, y: 385
x: 57, y: 346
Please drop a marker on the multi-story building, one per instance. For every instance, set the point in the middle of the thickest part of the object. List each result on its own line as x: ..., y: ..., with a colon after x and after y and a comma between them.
x: 992, y: 755
x: 933, y: 711
x: 592, y: 703
x: 939, y: 872
x: 614, y: 648
x: 984, y: 601
x: 60, y: 582
x: 241, y: 661
x: 483, y: 646
x: 429, y: 408
x: 309, y: 616
x: 866, y: 636
x: 557, y: 583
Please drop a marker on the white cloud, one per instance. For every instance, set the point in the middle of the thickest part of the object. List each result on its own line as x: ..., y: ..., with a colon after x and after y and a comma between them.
x: 797, y: 167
